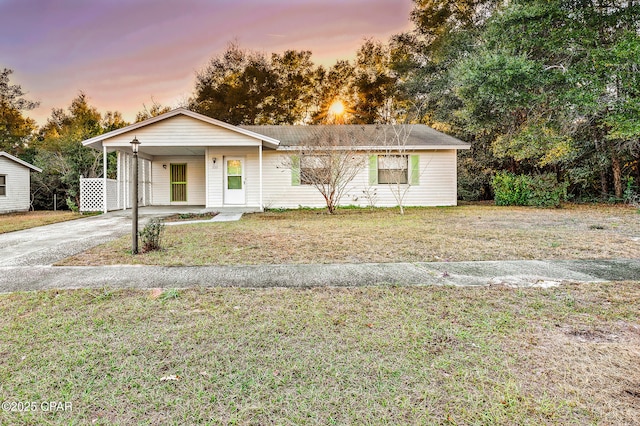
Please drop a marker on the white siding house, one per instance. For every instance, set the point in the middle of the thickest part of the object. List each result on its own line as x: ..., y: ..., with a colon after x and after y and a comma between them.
x: 190, y: 159
x: 15, y: 183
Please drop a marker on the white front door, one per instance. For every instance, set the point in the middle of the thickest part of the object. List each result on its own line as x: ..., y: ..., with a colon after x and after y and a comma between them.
x: 234, y: 181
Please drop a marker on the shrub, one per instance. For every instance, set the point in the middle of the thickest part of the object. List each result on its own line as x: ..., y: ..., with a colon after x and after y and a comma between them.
x: 546, y: 191
x: 72, y: 205
x: 523, y: 190
x: 510, y: 189
x: 151, y: 235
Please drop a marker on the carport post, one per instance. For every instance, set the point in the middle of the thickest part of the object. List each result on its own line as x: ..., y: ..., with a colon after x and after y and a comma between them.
x: 104, y: 179
x: 260, y: 171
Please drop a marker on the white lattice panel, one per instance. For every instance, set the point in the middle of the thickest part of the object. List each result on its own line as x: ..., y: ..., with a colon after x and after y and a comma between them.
x: 112, y: 194
x: 91, y: 195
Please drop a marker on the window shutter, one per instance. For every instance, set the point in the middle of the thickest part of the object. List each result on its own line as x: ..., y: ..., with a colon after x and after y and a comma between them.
x: 415, y: 170
x: 295, y: 170
x: 373, y: 170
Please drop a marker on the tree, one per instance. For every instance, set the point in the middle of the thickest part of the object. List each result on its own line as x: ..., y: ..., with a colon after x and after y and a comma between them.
x: 60, y: 152
x: 155, y: 110
x: 328, y: 160
x: 15, y: 129
x: 235, y: 87
x: 335, y: 84
x: 241, y: 86
x: 375, y: 85
x: 292, y: 98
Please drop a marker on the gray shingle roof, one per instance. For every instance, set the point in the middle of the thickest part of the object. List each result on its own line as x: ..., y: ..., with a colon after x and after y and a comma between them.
x: 370, y: 135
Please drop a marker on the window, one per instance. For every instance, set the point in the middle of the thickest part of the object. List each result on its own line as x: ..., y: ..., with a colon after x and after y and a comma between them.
x: 392, y: 169
x: 3, y: 185
x: 315, y: 169
x: 234, y: 174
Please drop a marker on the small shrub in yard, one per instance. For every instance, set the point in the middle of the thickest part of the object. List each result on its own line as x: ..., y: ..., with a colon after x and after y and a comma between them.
x: 151, y: 235
x: 523, y: 190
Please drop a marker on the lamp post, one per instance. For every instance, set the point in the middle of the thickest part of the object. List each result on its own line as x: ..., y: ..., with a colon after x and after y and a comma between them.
x: 134, y: 208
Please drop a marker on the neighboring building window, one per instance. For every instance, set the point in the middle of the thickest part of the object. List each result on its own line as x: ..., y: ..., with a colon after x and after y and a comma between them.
x: 393, y: 169
x: 314, y: 169
x: 3, y: 185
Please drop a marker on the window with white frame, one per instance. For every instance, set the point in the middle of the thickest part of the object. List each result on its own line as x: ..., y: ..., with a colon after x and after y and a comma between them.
x: 393, y: 169
x: 3, y: 185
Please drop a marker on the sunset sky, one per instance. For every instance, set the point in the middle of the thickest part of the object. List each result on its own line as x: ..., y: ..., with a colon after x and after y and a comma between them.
x: 123, y: 52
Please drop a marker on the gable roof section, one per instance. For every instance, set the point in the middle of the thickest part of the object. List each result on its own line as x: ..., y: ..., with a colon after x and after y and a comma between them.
x: 366, y: 136
x: 19, y: 161
x: 96, y: 142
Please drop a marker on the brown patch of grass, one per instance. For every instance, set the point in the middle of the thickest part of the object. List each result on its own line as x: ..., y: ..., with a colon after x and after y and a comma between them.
x: 18, y: 221
x: 470, y: 232
x: 407, y: 355
x: 591, y: 356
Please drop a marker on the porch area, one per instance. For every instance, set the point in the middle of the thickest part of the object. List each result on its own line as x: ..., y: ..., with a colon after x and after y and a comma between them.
x: 185, y: 159
x: 221, y: 179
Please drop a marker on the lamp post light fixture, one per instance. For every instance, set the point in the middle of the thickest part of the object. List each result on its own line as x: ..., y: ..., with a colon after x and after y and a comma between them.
x: 135, y: 143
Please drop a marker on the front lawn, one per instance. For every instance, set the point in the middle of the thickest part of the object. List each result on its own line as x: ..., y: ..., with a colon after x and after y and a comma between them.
x: 374, y: 355
x: 469, y: 232
x: 18, y: 221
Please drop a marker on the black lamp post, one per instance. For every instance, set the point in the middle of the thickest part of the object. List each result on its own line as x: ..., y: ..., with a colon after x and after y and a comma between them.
x: 134, y: 208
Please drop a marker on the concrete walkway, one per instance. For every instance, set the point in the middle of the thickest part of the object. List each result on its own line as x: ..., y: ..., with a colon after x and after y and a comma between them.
x: 220, y: 217
x: 511, y: 273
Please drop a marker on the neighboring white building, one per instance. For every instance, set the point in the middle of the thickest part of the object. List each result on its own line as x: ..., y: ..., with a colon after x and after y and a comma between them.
x: 15, y: 183
x: 189, y: 159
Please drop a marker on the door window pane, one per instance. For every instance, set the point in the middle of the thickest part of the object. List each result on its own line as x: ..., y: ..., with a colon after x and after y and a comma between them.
x: 234, y: 167
x: 234, y: 182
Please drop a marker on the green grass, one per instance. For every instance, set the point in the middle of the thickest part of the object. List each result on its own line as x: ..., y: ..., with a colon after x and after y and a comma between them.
x: 464, y: 233
x: 19, y: 221
x: 385, y: 355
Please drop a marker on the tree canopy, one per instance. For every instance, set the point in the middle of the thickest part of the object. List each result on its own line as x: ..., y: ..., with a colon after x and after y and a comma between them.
x: 535, y: 85
x: 15, y: 129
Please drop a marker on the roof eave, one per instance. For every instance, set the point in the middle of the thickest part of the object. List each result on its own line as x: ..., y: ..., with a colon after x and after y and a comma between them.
x: 378, y: 148
x: 19, y: 161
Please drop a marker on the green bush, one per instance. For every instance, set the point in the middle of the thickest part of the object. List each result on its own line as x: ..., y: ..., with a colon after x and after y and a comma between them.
x: 523, y: 190
x: 510, y: 189
x: 72, y: 205
x: 546, y: 191
x: 151, y: 235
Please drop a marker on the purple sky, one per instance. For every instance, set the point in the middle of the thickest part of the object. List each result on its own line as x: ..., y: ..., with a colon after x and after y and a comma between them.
x: 123, y: 52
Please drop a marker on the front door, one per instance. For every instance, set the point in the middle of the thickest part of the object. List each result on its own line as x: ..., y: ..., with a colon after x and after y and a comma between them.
x: 178, y: 183
x: 234, y: 181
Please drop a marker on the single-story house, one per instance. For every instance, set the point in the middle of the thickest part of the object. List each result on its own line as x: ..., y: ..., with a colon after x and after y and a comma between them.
x: 186, y: 158
x: 15, y: 183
